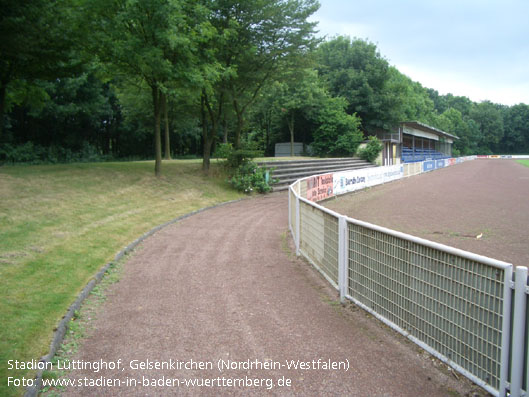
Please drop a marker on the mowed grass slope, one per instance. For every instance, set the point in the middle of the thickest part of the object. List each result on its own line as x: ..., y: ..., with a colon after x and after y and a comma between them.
x: 60, y: 224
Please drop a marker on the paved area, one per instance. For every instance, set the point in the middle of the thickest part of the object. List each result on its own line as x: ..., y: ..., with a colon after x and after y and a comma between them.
x: 223, y: 286
x: 453, y: 206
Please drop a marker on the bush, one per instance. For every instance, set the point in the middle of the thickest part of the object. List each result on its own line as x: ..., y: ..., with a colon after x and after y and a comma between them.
x: 29, y: 153
x: 338, y: 133
x: 239, y: 157
x: 249, y: 177
x: 223, y: 150
x: 372, y: 149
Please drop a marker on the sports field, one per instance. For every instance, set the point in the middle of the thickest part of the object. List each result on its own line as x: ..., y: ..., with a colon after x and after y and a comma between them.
x: 481, y: 206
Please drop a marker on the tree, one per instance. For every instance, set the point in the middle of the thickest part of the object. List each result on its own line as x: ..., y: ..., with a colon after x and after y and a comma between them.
x: 489, y: 119
x: 355, y: 70
x: 405, y: 100
x: 38, y: 40
x: 298, y: 95
x: 256, y: 42
x: 466, y: 129
x: 154, y: 41
x: 516, y: 123
x: 338, y: 133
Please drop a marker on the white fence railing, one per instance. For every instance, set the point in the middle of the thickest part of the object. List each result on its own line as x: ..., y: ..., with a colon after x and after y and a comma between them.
x: 468, y: 310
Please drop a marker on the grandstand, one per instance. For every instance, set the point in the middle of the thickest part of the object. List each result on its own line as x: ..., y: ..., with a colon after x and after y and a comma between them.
x: 413, y: 142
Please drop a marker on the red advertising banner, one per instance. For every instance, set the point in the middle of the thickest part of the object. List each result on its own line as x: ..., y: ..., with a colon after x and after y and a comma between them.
x: 452, y: 161
x: 320, y: 187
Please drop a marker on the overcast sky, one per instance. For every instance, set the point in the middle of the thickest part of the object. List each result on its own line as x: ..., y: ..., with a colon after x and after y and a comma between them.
x: 473, y: 48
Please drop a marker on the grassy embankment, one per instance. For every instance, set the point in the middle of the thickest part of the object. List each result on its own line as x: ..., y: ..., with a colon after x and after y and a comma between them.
x: 59, y: 224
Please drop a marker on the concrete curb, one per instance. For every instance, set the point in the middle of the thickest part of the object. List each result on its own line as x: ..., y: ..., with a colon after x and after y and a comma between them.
x: 60, y: 331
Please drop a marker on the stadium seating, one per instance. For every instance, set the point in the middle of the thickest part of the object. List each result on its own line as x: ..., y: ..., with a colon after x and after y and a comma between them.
x: 410, y: 156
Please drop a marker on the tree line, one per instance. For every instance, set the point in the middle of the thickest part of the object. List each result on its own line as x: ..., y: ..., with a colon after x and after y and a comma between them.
x: 160, y: 78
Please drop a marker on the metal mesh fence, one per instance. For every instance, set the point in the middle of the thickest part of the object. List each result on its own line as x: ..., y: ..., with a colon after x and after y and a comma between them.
x: 453, y: 304
x: 319, y: 239
x: 302, y: 188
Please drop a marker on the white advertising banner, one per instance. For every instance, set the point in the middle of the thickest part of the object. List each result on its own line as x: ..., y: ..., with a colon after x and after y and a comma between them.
x: 349, y: 181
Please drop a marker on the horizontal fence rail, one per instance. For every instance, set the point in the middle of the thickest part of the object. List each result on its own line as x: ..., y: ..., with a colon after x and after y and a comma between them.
x: 468, y: 310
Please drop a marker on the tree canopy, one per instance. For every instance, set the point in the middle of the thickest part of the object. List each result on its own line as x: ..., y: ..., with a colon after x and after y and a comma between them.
x: 101, y: 77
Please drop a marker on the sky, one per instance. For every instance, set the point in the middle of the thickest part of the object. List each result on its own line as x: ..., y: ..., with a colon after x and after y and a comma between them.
x: 473, y: 48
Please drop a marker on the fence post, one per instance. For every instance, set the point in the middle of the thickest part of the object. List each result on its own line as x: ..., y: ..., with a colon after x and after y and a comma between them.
x: 505, y: 332
x: 518, y: 334
x: 298, y: 224
x: 342, y: 258
x: 290, y: 191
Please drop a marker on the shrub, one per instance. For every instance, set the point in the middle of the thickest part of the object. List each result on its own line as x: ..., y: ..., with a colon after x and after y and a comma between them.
x: 30, y: 153
x: 338, y: 133
x: 249, y: 177
x: 239, y: 157
x: 223, y: 150
x: 372, y: 149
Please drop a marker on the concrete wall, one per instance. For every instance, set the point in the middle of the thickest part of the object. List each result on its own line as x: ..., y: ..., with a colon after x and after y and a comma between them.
x: 283, y: 149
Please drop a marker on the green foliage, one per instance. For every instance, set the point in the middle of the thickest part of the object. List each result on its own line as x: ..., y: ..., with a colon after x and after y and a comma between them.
x: 516, y: 124
x: 223, y: 150
x: 250, y: 177
x: 372, y: 149
x: 237, y: 158
x: 490, y: 121
x: 85, y: 70
x: 338, y: 133
x: 355, y: 70
x: 30, y: 153
x: 39, y: 41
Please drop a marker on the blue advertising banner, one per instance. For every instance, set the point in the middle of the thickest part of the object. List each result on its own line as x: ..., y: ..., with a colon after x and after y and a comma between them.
x: 428, y: 166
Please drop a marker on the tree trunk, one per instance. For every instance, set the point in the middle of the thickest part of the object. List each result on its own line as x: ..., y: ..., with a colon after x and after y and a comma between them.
x: 3, y: 90
x: 240, y: 122
x: 291, y: 129
x: 166, y: 122
x: 157, y: 136
x: 268, y: 128
x: 208, y: 143
x: 207, y: 136
x: 225, y: 130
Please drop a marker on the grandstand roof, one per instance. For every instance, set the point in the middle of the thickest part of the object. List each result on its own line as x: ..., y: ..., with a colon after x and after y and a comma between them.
x: 423, y: 127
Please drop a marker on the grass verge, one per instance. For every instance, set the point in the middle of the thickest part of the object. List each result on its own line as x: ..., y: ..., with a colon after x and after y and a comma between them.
x: 60, y: 223
x: 524, y: 162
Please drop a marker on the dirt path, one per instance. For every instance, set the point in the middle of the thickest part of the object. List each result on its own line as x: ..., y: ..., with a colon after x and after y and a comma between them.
x: 453, y: 206
x: 223, y: 284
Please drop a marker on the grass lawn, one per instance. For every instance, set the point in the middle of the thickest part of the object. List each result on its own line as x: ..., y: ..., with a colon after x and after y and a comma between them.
x: 59, y: 224
x: 524, y: 162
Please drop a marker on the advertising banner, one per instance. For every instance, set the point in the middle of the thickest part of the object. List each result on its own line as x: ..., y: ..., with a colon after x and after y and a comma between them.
x: 451, y: 161
x: 428, y: 166
x: 349, y: 181
x: 320, y: 187
x: 393, y: 172
x: 440, y: 163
